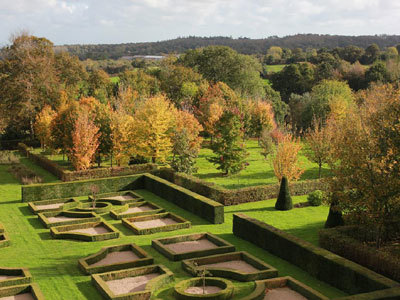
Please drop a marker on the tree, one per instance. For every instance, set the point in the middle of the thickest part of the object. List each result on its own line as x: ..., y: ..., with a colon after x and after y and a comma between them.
x: 284, y: 201
x: 262, y: 118
x: 371, y: 54
x: 85, y: 140
x: 139, y: 81
x: 285, y: 160
x: 98, y: 85
x: 43, y: 126
x: 266, y: 143
x: 228, y: 147
x: 377, y: 73
x: 121, y: 128
x: 280, y: 108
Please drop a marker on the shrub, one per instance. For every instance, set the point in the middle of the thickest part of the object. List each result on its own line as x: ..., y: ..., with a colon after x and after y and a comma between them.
x: 8, y: 158
x: 316, y: 197
x: 24, y: 174
x: 284, y: 201
x: 334, y: 217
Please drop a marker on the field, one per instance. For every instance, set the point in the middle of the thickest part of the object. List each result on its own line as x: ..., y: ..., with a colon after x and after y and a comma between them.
x: 53, y: 263
x: 274, y: 68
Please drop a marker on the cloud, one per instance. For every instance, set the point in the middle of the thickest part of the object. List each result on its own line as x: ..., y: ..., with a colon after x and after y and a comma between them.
x: 104, y: 21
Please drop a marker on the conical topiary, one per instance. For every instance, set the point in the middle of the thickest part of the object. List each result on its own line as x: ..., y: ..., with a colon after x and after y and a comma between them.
x: 284, y: 201
x: 334, y: 217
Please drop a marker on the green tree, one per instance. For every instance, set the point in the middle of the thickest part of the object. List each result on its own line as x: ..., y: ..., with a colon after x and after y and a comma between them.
x: 284, y: 201
x: 371, y: 54
x: 377, y: 73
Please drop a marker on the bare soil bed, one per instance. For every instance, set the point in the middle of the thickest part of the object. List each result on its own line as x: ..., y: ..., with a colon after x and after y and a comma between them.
x: 116, y: 257
x: 130, y: 284
x: 187, y: 246
x: 121, y: 197
x: 6, y: 277
x: 198, y: 290
x: 283, y: 293
x: 91, y: 230
x: 154, y: 223
x: 60, y: 219
x: 139, y: 209
x: 25, y: 296
x: 238, y: 265
x: 49, y: 206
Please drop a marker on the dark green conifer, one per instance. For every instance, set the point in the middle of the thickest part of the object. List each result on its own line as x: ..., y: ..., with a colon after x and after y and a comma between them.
x: 284, y: 201
x: 334, y: 217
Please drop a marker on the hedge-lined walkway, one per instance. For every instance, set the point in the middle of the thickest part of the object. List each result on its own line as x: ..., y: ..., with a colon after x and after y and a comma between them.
x: 54, y: 263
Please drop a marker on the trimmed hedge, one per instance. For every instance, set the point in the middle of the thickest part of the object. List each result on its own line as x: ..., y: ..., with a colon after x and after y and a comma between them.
x: 99, y: 280
x: 265, y: 270
x: 38, y: 192
x: 225, y: 293
x: 197, y: 204
x: 340, y: 240
x: 83, y: 217
x: 319, y: 262
x: 387, y: 294
x: 69, y: 203
x: 64, y: 232
x: 99, y: 208
x: 32, y: 289
x: 222, y: 246
x: 181, y: 223
x: 107, y: 197
x: 66, y: 175
x: 23, y: 276
x: 120, y: 212
x: 13, y: 144
x: 236, y: 196
x: 85, y: 264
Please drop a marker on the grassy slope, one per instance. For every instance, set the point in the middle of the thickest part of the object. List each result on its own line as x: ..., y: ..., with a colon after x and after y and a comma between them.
x: 53, y: 263
x: 258, y: 172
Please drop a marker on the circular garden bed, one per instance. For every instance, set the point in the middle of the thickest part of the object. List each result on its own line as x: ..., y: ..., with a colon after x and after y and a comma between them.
x: 99, y: 208
x: 215, y: 288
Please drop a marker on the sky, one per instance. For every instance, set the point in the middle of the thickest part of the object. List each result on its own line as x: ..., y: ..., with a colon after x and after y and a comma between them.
x: 127, y: 21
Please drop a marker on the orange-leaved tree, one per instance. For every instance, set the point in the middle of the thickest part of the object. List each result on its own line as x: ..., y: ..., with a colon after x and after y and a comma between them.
x: 42, y: 125
x: 262, y: 118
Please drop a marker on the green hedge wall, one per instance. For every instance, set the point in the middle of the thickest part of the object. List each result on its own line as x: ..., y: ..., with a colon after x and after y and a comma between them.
x: 37, y: 192
x: 197, y: 204
x: 78, y: 218
x: 339, y: 240
x: 23, y: 276
x: 236, y: 196
x: 319, y: 262
x: 387, y: 294
x: 32, y: 288
x: 63, y: 232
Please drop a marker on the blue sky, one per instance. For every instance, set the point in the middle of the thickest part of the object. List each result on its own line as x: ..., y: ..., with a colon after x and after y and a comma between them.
x: 124, y: 21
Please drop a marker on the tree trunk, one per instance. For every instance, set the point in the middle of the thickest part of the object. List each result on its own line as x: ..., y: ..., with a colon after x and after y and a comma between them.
x: 319, y: 170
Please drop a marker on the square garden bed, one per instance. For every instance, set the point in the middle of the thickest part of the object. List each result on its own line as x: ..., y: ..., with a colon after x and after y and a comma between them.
x: 14, y: 276
x: 191, y: 245
x: 118, y: 198
x: 59, y: 218
x: 239, y: 266
x: 90, y: 232
x: 135, y: 209
x: 115, y: 258
x: 132, y: 284
x: 156, y: 223
x: 52, y: 205
x: 22, y: 292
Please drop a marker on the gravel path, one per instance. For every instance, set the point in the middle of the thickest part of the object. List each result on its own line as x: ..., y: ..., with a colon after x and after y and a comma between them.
x: 91, y: 230
x: 284, y: 293
x: 26, y: 296
x: 239, y: 265
x: 116, y: 257
x: 60, y: 219
x: 199, y: 290
x: 49, y: 206
x: 130, y: 284
x: 154, y: 223
x: 187, y: 246
x: 139, y: 209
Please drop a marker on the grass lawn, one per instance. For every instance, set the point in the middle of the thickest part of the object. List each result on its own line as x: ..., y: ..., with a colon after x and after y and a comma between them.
x: 274, y: 68
x: 258, y: 172
x: 114, y: 79
x: 53, y: 263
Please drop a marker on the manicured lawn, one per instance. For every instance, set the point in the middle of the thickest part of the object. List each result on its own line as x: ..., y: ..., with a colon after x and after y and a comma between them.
x: 53, y: 263
x: 274, y: 68
x: 258, y: 172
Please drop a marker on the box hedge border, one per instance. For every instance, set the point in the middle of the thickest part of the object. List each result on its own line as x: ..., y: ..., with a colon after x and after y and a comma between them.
x: 104, y: 197
x: 21, y: 289
x: 182, y: 223
x: 225, y: 293
x: 100, y: 207
x: 160, y: 246
x: 85, y: 217
x: 144, y: 259
x: 23, y: 276
x: 61, y: 232
x: 387, y: 294
x: 265, y: 270
x: 319, y: 262
x: 339, y: 242
x: 99, y: 280
x: 119, y: 212
x: 69, y: 203
x: 236, y: 196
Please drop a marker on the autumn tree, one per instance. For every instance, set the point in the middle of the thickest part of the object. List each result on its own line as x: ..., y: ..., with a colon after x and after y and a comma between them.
x: 262, y: 118
x: 43, y: 126
x: 85, y: 140
x: 140, y: 82
x: 285, y: 161
x: 121, y: 129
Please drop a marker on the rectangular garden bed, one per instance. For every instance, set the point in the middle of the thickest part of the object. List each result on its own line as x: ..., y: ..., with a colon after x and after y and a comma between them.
x: 14, y: 276
x: 156, y: 223
x: 115, y: 258
x: 26, y: 291
x: 59, y: 218
x: 118, y: 198
x: 52, y: 205
x: 136, y: 209
x: 239, y: 266
x: 132, y: 284
x: 191, y: 245
x: 91, y: 232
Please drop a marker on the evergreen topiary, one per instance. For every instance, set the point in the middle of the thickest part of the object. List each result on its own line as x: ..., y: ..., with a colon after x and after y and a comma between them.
x: 334, y: 217
x: 284, y: 201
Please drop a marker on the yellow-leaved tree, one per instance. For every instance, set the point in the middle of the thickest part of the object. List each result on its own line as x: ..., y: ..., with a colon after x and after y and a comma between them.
x: 153, y: 127
x: 121, y: 129
x: 42, y: 126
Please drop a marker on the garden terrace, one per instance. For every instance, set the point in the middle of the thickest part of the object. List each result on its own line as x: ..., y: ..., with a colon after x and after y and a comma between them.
x: 132, y: 284
x: 239, y: 266
x: 155, y: 223
x: 59, y: 218
x: 191, y: 245
x: 115, y: 258
x: 52, y: 205
x: 90, y: 232
x: 14, y: 276
x: 22, y: 292
x: 135, y: 209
